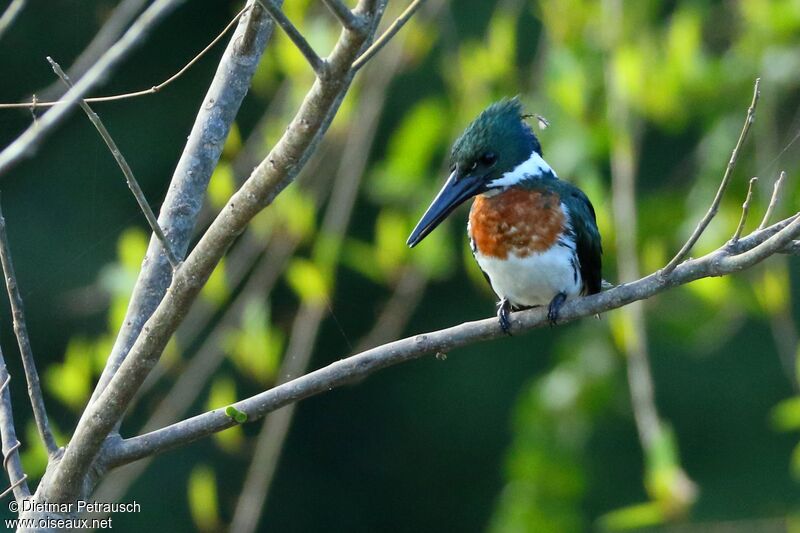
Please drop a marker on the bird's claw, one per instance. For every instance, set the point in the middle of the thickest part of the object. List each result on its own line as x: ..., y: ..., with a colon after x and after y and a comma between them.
x: 503, y: 315
x: 554, y: 307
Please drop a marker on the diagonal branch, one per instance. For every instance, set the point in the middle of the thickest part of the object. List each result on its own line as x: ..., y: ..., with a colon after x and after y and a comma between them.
x: 26, y: 144
x: 746, y: 210
x: 133, y: 185
x: 748, y: 252
x: 297, y: 38
x: 187, y: 188
x: 345, y: 16
x: 773, y: 201
x: 21, y: 332
x: 268, y: 179
x: 10, y: 14
x: 712, y: 211
x: 386, y: 36
x: 11, y: 460
x: 124, y: 12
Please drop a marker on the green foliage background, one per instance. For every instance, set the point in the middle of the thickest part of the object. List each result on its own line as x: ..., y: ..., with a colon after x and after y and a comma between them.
x: 531, y: 433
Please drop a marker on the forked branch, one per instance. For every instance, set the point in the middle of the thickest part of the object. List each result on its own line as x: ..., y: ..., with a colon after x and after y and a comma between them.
x: 24, y: 343
x: 726, y: 178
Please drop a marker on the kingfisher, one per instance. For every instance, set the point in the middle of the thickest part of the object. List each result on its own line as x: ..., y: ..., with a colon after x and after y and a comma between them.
x: 534, y: 236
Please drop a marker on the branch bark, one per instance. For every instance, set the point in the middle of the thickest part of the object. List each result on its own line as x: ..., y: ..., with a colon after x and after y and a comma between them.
x: 747, y: 252
x: 26, y: 144
x: 24, y: 342
x: 189, y: 181
x: 267, y: 180
x: 712, y: 211
x: 11, y: 461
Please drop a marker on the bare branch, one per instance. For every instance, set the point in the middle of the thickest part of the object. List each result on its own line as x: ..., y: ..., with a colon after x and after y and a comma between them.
x: 773, y: 201
x: 745, y: 210
x: 21, y: 332
x: 37, y: 103
x: 10, y: 14
x: 712, y: 211
x: 386, y: 36
x: 748, y: 251
x: 26, y: 144
x: 345, y: 16
x: 189, y: 181
x: 133, y: 185
x: 297, y: 38
x: 268, y: 179
x: 11, y: 461
x: 124, y: 12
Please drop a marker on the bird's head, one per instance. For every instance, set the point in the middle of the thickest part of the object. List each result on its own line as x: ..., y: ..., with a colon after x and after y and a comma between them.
x: 497, y: 150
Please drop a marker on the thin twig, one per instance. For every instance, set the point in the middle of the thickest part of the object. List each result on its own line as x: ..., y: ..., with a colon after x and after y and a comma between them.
x: 184, y: 198
x: 712, y: 211
x: 271, y: 176
x: 773, y: 201
x: 24, y: 343
x: 113, y: 26
x: 10, y: 14
x: 297, y: 38
x: 386, y: 36
x: 345, y: 16
x: 152, y: 90
x: 749, y: 251
x: 133, y: 185
x: 745, y: 210
x: 26, y: 144
x: 14, y: 485
x: 11, y: 460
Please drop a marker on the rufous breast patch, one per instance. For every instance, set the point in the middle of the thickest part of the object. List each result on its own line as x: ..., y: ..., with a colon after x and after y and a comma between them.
x: 518, y: 220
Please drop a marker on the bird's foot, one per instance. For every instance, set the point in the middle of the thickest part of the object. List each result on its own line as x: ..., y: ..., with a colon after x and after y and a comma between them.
x: 554, y: 307
x: 503, y: 315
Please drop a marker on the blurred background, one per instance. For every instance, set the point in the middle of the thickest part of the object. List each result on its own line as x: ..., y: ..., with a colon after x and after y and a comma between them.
x: 537, y: 432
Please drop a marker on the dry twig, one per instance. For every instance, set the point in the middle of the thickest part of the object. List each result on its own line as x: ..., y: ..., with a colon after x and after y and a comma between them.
x: 712, y: 210
x: 21, y: 332
x: 745, y: 210
x: 133, y: 184
x: 773, y: 201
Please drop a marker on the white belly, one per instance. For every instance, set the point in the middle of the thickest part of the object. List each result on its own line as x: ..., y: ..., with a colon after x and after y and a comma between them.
x: 534, y: 279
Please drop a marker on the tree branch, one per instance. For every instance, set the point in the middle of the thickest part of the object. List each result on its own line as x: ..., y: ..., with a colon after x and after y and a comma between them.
x: 24, y: 343
x: 10, y: 14
x: 773, y: 201
x: 712, y: 211
x: 386, y: 36
x: 746, y: 210
x: 11, y: 461
x: 120, y: 18
x: 345, y: 16
x: 267, y: 180
x: 297, y: 38
x: 26, y: 144
x: 189, y: 181
x: 748, y: 251
x: 133, y: 185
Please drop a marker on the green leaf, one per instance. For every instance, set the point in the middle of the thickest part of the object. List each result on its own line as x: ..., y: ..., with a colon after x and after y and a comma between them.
x: 786, y: 415
x: 307, y: 281
x: 633, y: 517
x: 216, y: 289
x: 203, y: 498
x: 223, y: 393
x: 255, y: 346
x: 222, y: 185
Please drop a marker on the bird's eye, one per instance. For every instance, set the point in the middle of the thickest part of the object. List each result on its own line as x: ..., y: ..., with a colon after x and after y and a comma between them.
x: 488, y: 159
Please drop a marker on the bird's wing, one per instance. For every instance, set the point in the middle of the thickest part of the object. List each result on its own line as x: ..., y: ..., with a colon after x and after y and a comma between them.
x: 587, y: 237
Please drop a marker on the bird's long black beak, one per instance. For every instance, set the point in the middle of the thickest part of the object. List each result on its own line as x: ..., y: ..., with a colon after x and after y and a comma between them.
x: 456, y: 190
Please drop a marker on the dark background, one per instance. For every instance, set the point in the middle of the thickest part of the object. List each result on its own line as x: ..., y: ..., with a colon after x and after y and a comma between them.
x: 442, y: 445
